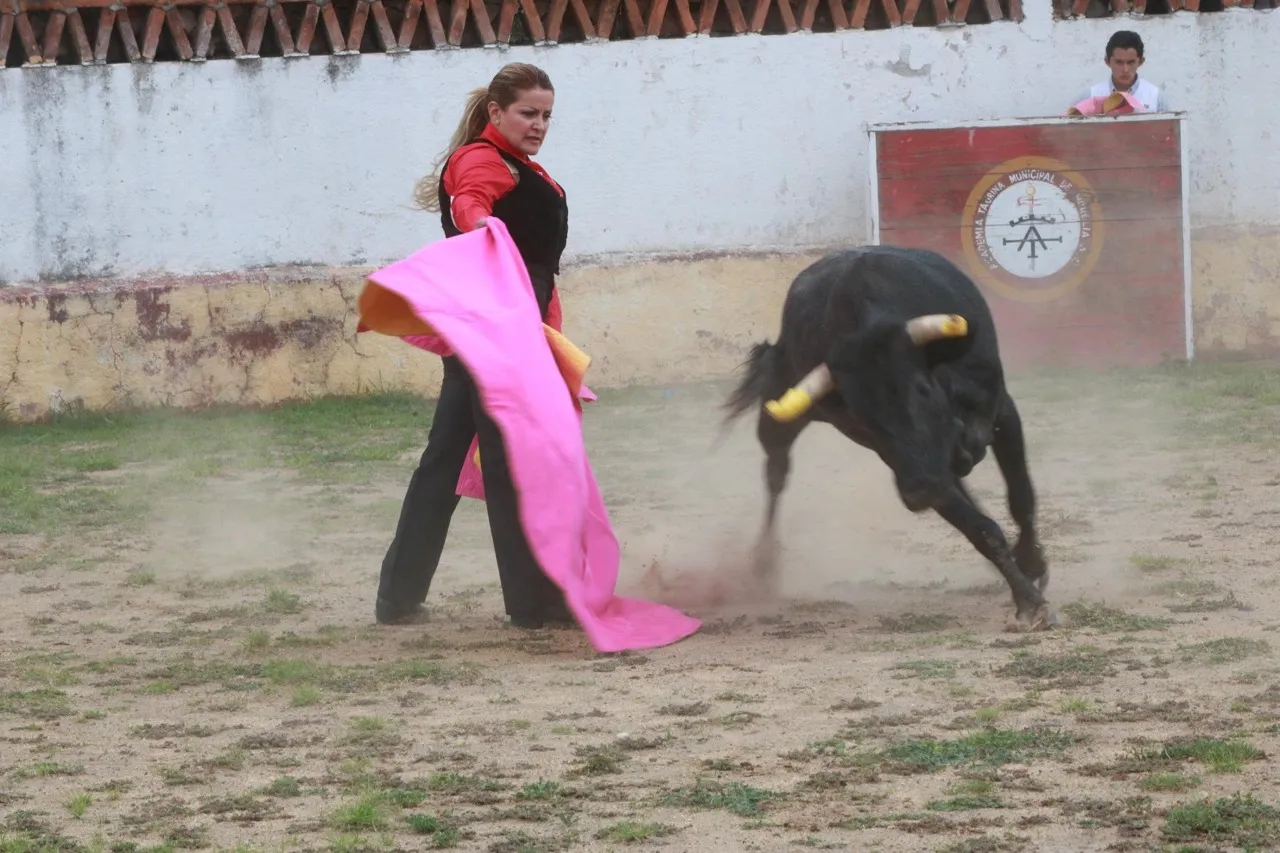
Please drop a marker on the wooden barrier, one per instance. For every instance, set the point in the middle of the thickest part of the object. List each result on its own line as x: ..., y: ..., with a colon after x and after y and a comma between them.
x: 1075, y: 229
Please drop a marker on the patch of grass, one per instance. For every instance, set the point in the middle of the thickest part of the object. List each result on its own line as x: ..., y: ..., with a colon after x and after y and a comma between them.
x: 47, y: 481
x: 405, y: 798
x: 443, y: 833
x: 1241, y: 821
x: 1169, y: 782
x: 1187, y: 588
x: 968, y: 795
x: 366, y: 814
x: 1079, y: 666
x: 1008, y: 843
x: 991, y: 747
x: 964, y: 803
x: 1209, y: 605
x: 543, y: 789
x: 139, y: 577
x: 626, y: 832
x: 433, y: 672
x: 232, y: 758
x: 928, y: 669
x: 79, y: 804
x: 1168, y: 711
x: 1220, y: 756
x: 916, y: 623
x: 1150, y: 563
x: 598, y: 761
x: 163, y: 731
x: 1111, y: 620
x: 450, y: 782
x: 282, y: 602
x: 256, y: 641
x: 734, y: 797
x: 1074, y: 705
x: 285, y: 786
x: 42, y: 704
x: 48, y: 768
x: 519, y: 841
x: 1224, y: 650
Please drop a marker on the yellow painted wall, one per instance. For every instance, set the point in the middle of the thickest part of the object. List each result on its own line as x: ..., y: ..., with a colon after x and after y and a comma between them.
x: 267, y: 337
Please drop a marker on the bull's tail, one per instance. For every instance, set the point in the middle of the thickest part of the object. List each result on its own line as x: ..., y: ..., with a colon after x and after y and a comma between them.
x: 757, y: 381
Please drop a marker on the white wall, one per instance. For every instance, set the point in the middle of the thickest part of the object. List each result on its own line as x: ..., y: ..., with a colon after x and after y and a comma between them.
x: 664, y: 146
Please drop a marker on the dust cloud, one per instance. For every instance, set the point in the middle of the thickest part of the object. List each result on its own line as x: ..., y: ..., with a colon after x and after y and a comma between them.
x: 1097, y: 455
x: 212, y: 526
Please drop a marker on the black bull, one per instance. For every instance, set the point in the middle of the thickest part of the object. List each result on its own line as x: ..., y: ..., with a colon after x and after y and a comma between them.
x: 896, y: 349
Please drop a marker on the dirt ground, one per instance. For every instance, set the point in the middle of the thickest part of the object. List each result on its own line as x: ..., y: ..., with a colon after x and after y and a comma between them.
x: 204, y: 671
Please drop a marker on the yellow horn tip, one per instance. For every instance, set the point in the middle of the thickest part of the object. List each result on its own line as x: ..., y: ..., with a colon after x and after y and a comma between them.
x: 790, y: 406
x: 955, y: 326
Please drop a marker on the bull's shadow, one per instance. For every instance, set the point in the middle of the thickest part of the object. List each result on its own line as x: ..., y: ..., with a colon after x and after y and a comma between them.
x: 897, y: 350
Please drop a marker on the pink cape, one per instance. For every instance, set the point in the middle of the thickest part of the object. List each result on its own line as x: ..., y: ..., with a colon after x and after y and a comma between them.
x: 471, y: 480
x: 1115, y: 104
x: 473, y: 290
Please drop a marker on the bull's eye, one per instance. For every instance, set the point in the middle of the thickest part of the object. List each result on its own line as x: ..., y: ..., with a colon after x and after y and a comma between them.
x: 921, y: 386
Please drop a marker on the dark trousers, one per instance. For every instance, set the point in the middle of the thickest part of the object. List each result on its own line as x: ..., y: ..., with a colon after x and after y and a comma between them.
x: 411, y: 560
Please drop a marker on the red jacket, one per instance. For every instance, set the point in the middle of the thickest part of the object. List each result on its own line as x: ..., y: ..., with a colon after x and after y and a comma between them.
x: 475, y: 178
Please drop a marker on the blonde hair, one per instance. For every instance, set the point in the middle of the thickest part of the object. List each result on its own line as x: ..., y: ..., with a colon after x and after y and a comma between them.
x: 503, y: 90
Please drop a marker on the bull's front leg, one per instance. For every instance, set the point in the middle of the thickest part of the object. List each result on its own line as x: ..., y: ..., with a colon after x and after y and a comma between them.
x: 1011, y: 455
x: 986, y: 536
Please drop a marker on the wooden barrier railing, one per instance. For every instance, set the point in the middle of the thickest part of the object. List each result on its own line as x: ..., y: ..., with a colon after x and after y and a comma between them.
x: 86, y: 32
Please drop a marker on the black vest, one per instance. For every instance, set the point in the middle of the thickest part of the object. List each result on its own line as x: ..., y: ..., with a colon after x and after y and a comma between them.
x: 537, y: 218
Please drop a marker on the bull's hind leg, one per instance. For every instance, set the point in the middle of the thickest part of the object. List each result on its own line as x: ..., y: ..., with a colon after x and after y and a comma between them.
x: 960, y: 510
x: 776, y: 438
x: 1011, y: 456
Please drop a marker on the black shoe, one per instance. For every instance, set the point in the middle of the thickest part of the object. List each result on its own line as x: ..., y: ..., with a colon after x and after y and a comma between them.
x: 555, y: 616
x: 388, y: 614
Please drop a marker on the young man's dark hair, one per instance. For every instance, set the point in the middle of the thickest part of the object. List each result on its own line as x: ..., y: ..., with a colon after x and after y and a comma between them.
x: 1125, y: 40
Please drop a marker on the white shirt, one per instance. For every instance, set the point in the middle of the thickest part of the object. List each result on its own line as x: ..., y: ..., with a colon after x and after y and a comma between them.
x: 1148, y: 94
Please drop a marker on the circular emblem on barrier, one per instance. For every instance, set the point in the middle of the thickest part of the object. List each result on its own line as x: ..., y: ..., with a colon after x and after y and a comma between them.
x: 1031, y: 229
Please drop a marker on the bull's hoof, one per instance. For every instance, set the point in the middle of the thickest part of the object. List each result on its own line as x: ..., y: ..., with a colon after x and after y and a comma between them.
x: 1041, y: 619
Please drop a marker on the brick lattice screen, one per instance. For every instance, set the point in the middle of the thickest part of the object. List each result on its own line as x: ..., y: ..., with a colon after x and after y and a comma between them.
x: 84, y: 32
x: 87, y: 32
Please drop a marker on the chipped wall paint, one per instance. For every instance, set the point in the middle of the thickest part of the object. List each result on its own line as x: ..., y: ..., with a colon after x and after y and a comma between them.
x: 268, y: 336
x: 721, y: 144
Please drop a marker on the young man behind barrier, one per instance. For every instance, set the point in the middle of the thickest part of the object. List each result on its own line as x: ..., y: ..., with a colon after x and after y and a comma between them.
x: 1124, y: 56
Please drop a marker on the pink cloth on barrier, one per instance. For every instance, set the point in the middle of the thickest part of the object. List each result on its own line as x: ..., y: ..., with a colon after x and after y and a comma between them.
x: 474, y: 290
x: 1115, y: 104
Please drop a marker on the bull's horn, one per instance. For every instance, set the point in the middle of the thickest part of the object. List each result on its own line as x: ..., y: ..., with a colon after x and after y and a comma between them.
x: 797, y: 400
x: 931, y: 327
